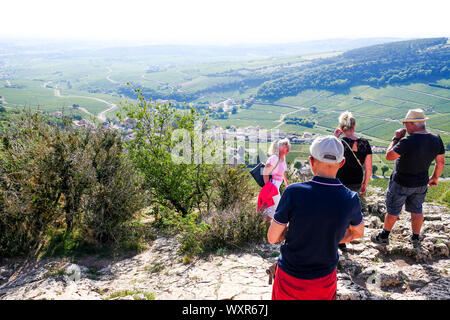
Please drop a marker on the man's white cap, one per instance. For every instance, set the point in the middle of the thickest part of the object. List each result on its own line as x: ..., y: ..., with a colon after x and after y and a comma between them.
x: 327, y: 149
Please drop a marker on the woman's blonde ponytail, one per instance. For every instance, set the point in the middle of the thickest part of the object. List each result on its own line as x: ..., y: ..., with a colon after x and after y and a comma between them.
x: 346, y: 121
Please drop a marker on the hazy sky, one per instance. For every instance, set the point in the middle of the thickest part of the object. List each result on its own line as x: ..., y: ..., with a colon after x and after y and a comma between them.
x: 227, y: 21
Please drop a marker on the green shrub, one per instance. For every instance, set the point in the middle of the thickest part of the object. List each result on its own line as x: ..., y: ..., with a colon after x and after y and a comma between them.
x: 231, y: 186
x: 61, y: 243
x: 218, y: 230
x: 192, y: 232
x: 165, y: 219
x: 231, y: 229
x: 205, y: 205
x: 116, y: 194
x: 61, y: 186
x: 230, y: 222
x: 234, y: 229
x: 30, y: 190
x: 134, y: 236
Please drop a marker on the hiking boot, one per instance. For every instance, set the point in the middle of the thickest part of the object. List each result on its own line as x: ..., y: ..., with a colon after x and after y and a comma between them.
x: 378, y: 239
x: 416, y: 242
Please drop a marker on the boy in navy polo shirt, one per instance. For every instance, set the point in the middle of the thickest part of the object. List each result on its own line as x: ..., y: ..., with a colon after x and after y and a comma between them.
x: 314, y: 217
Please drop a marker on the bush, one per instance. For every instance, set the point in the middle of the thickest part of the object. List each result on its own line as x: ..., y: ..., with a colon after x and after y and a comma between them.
x: 29, y: 188
x: 231, y: 186
x: 188, y: 228
x: 134, y: 236
x: 233, y: 229
x: 61, y: 183
x: 115, y: 195
x: 230, y: 223
x: 165, y: 219
x: 230, y: 229
x: 59, y: 242
x: 192, y: 234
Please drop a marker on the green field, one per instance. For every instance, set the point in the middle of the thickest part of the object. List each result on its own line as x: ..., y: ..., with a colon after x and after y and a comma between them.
x: 378, y: 115
x: 80, y: 79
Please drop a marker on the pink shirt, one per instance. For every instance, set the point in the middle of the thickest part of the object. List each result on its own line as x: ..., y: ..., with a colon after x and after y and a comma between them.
x: 278, y: 172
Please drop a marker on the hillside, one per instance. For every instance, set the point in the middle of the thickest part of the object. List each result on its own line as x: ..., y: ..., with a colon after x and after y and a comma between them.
x: 365, y: 272
x: 379, y: 65
x: 387, y: 64
x: 54, y: 77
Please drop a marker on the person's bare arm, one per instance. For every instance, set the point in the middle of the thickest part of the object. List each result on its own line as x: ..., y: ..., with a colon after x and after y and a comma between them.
x: 390, y: 153
x: 266, y: 172
x: 438, y: 169
x: 353, y: 232
x: 368, y: 173
x: 276, y: 233
x: 286, y: 183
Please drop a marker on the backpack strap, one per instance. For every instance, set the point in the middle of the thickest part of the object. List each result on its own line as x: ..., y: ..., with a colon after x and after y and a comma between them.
x: 359, y: 162
x: 275, y: 165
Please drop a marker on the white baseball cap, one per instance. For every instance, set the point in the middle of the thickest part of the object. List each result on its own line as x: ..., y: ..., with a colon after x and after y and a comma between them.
x: 327, y: 149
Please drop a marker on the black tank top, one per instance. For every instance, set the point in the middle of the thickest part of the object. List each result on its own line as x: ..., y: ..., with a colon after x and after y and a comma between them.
x: 351, y: 172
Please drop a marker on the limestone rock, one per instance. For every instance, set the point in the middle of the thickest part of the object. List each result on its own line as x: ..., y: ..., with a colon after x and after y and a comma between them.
x: 348, y: 290
x: 73, y: 271
x: 374, y: 222
x: 441, y: 249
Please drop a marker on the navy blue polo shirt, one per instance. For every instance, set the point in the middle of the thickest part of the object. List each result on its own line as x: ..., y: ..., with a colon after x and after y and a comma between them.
x: 318, y: 211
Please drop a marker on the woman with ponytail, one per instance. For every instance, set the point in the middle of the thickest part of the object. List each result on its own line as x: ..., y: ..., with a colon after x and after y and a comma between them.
x: 276, y: 166
x: 357, y: 170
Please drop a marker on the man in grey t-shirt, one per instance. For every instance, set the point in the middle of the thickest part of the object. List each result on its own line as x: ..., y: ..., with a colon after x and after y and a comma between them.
x: 409, y: 181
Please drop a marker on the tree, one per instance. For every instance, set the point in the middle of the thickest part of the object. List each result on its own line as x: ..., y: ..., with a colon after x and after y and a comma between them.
x: 384, y: 169
x: 179, y: 185
x: 374, y: 169
x: 298, y: 165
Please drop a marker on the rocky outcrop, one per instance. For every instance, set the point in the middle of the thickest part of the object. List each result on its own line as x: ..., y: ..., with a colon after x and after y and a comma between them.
x: 366, y: 270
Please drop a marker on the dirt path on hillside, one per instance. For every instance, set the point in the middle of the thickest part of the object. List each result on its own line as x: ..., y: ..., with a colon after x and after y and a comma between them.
x: 101, y: 116
x: 282, y: 117
x: 108, y: 76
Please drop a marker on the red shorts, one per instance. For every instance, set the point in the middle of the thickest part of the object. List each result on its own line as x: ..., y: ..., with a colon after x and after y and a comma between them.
x: 286, y: 287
